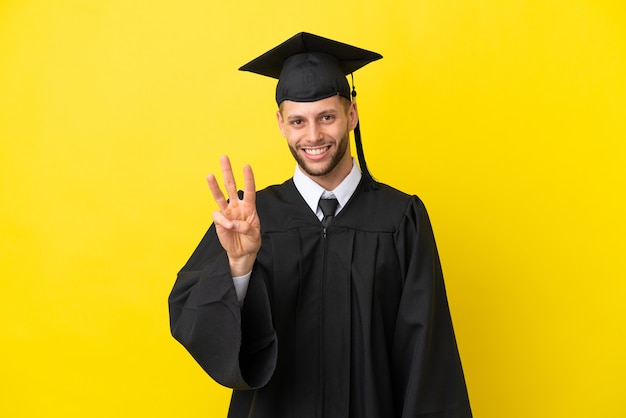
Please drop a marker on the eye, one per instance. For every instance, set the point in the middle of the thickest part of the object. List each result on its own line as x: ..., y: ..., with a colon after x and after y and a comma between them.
x: 296, y: 122
x: 328, y: 118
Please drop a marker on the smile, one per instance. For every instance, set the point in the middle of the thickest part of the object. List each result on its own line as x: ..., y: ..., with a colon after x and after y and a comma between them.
x: 316, y: 151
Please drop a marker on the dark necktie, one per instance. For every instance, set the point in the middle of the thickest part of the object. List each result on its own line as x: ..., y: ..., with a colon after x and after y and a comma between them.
x: 328, y: 206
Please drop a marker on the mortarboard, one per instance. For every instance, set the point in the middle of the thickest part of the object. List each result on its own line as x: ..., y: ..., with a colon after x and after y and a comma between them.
x: 310, y: 68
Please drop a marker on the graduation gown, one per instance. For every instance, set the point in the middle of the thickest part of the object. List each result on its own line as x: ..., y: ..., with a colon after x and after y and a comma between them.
x: 347, y: 321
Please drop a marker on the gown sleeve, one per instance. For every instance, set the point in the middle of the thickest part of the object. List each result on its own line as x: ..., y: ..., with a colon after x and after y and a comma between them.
x: 235, y: 344
x: 427, y: 367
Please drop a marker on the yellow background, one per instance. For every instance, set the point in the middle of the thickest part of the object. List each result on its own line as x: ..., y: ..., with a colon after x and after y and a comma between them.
x: 508, y: 118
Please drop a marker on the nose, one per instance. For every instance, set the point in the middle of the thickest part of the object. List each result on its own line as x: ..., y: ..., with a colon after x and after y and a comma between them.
x: 315, y: 133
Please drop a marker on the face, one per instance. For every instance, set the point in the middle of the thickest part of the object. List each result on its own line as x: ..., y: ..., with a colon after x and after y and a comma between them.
x: 318, y: 136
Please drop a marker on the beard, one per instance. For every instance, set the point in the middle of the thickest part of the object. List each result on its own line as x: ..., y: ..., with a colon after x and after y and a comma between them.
x: 335, y: 159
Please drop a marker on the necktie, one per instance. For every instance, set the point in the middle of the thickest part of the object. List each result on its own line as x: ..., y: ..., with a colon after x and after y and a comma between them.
x: 328, y: 206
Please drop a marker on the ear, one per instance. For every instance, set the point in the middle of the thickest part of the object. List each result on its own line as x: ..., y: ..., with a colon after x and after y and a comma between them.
x: 279, y: 119
x: 353, y: 116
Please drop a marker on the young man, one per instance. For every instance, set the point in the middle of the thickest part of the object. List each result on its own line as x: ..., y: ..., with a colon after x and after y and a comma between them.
x: 322, y: 296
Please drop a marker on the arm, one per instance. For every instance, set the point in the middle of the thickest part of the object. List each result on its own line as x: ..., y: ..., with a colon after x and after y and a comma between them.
x: 427, y: 366
x: 236, y: 346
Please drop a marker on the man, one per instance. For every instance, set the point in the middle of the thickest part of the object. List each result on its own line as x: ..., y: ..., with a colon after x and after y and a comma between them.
x: 322, y: 296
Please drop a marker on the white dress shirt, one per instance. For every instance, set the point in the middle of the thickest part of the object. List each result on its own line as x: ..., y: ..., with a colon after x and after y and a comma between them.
x: 312, y: 192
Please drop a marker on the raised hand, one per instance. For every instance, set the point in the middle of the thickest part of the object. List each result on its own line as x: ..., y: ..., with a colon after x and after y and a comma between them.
x: 237, y: 222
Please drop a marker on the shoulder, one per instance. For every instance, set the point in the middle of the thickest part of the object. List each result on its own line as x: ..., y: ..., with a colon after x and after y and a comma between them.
x: 383, y: 209
x: 281, y: 207
x: 389, y: 199
x: 276, y: 194
x: 390, y: 194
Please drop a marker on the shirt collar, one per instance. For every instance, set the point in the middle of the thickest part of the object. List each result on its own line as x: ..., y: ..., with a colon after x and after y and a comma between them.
x: 312, y: 192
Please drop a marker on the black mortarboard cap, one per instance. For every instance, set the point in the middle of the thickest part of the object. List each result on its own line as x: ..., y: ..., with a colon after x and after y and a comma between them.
x: 310, y: 68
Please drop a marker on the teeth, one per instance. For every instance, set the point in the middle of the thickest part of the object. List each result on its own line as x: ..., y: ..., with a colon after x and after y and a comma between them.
x: 316, y: 151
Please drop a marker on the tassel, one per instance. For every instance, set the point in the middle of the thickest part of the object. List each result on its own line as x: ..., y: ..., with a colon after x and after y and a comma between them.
x: 368, y: 181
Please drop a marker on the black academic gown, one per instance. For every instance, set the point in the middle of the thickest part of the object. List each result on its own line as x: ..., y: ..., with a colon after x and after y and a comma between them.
x: 347, y: 322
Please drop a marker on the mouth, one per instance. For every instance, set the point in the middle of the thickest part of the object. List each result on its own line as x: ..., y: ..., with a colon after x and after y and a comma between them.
x: 316, y: 151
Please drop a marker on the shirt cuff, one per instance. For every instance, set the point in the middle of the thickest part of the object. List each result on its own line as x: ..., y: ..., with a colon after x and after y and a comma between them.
x: 241, y: 285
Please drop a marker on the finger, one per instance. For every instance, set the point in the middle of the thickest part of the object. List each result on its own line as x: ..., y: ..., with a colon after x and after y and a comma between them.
x: 221, y: 220
x: 218, y: 196
x: 249, y: 187
x: 229, y: 178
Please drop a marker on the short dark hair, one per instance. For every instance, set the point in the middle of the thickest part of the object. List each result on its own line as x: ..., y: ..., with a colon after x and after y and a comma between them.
x: 346, y: 104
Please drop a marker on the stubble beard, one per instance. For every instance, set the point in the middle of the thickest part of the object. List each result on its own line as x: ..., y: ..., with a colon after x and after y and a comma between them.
x: 342, y: 147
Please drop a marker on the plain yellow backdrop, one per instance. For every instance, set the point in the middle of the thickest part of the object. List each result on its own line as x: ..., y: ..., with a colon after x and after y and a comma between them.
x: 508, y: 118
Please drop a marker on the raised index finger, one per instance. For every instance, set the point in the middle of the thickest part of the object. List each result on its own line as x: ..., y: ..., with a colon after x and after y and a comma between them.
x: 217, y: 192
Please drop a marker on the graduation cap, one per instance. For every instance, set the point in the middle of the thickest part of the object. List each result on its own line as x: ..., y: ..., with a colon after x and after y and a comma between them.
x: 310, y: 68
